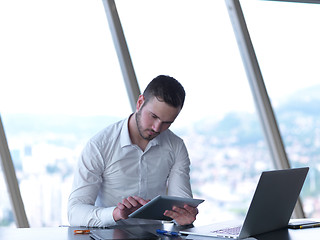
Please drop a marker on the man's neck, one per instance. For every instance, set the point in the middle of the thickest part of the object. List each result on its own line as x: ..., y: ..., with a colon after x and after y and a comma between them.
x: 135, y: 135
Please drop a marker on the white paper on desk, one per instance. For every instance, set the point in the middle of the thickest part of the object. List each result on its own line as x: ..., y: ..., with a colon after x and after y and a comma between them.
x: 197, y: 237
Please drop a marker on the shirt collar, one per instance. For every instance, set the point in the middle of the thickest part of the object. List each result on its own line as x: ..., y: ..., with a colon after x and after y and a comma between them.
x: 124, y: 135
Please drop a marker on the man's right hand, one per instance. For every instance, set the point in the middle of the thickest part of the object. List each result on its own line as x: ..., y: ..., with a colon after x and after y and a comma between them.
x: 127, y: 206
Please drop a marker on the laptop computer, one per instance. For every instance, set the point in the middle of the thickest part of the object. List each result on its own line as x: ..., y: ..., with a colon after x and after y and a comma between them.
x: 271, y: 207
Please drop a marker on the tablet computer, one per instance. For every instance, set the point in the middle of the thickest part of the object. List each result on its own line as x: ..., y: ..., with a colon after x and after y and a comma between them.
x: 158, y: 205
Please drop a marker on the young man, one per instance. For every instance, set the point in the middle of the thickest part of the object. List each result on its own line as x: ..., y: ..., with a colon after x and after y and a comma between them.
x: 134, y: 160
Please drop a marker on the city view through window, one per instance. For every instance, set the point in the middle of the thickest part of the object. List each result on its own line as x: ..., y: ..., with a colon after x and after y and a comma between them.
x: 61, y: 84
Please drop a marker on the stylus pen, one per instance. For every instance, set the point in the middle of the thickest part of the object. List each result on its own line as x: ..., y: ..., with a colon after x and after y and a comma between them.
x: 167, y: 233
x: 312, y: 225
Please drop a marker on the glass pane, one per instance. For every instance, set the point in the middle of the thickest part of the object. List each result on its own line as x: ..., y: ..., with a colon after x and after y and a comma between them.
x: 287, y: 47
x: 60, y: 83
x: 193, y: 41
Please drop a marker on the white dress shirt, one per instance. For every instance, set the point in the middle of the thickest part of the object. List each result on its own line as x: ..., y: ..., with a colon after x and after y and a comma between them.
x: 111, y: 168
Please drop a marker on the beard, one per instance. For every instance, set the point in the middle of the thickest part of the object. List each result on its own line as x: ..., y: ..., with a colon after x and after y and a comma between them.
x: 140, y: 128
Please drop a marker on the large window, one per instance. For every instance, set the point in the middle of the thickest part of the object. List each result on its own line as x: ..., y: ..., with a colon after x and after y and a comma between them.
x: 287, y: 48
x: 195, y: 44
x: 60, y: 83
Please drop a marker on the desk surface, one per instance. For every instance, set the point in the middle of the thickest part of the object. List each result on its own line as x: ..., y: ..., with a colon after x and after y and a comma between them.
x: 66, y: 233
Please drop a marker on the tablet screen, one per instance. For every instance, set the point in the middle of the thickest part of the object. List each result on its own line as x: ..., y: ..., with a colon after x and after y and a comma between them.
x: 158, y: 205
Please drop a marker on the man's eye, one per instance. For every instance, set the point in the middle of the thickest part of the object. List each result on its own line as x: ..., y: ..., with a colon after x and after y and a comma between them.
x: 154, y: 116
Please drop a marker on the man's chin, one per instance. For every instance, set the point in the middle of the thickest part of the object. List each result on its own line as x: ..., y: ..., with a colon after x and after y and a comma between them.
x: 150, y: 137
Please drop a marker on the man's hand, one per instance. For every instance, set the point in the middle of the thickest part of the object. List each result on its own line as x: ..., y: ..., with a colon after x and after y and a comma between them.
x: 182, y: 216
x: 127, y: 206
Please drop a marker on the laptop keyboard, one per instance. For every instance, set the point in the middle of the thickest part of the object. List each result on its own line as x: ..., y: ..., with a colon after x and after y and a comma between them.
x: 231, y: 230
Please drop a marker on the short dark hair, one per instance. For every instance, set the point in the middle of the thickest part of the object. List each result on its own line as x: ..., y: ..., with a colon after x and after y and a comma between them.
x: 167, y: 89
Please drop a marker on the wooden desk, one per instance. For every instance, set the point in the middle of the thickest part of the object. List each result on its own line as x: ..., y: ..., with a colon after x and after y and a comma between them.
x: 66, y: 233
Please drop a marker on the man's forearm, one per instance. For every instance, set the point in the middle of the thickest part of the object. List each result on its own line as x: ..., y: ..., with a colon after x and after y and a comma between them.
x: 90, y: 216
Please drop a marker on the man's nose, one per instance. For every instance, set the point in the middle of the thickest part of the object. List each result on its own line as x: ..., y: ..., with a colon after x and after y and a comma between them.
x: 157, y: 125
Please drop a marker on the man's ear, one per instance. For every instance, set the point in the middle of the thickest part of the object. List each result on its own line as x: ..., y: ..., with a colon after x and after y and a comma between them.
x: 140, y: 102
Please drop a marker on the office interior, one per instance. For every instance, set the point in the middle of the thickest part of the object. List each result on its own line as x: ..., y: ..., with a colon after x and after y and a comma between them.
x: 70, y: 68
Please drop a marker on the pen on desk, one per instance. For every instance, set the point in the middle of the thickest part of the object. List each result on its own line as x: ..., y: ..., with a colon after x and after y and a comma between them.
x: 312, y: 225
x: 167, y: 233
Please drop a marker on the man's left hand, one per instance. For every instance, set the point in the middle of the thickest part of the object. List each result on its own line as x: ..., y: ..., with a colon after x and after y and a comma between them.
x: 183, y: 216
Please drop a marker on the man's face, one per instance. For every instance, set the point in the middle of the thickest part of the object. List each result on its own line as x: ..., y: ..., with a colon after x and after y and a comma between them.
x: 154, y: 117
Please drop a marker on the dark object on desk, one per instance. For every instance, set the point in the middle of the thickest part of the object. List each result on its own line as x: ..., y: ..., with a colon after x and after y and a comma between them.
x: 303, y: 223
x: 158, y: 205
x: 123, y: 233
